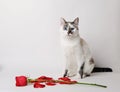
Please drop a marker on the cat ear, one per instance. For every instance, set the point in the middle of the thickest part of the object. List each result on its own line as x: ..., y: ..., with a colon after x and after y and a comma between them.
x: 62, y: 21
x: 76, y: 21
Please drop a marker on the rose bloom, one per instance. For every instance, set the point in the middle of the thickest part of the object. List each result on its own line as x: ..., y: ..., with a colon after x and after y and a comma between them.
x: 21, y: 80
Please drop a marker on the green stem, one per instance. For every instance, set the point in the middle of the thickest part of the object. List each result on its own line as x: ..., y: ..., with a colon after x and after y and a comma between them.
x: 57, y: 81
x: 29, y: 80
x: 92, y: 84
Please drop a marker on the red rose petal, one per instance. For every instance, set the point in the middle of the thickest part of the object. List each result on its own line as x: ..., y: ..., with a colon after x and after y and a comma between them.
x: 45, y: 78
x: 21, y: 80
x: 50, y: 83
x: 68, y: 82
x: 64, y: 79
x: 62, y: 82
x: 38, y: 85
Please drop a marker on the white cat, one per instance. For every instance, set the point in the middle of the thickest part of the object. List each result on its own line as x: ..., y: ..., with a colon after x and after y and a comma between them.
x: 76, y: 51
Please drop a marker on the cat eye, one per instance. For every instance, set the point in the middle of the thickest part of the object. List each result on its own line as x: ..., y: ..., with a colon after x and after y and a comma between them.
x: 71, y: 29
x: 65, y: 28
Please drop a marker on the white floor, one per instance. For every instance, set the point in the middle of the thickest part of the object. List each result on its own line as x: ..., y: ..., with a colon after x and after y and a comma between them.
x: 112, y: 80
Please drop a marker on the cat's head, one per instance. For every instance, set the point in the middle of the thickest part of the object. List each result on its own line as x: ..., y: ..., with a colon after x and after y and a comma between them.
x: 69, y: 29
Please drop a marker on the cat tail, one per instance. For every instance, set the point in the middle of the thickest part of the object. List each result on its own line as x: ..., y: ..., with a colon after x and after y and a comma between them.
x: 102, y: 69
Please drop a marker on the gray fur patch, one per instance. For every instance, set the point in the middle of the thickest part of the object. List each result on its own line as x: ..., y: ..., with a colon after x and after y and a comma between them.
x: 91, y: 61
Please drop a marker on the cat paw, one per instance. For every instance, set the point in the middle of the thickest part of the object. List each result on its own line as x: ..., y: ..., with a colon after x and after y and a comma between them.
x: 71, y: 74
x: 76, y: 77
x: 85, y: 75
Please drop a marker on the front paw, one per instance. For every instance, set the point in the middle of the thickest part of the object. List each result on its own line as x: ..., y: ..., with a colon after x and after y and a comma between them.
x: 71, y: 74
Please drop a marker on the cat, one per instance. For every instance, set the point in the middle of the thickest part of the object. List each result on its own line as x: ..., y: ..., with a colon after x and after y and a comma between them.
x: 78, y: 57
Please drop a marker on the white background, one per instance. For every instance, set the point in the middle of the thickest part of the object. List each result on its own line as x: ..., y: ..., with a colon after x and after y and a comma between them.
x: 30, y: 39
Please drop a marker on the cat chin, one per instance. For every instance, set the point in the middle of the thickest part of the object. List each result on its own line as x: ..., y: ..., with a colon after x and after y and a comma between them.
x: 69, y: 34
x: 72, y: 35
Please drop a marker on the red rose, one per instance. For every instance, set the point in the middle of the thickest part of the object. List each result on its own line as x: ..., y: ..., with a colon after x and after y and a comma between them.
x: 21, y: 80
x: 38, y: 85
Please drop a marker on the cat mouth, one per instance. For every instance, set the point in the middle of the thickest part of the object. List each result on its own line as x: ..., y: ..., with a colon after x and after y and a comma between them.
x: 70, y: 33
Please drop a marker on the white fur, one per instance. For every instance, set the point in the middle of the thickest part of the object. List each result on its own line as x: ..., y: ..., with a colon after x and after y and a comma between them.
x: 76, y: 52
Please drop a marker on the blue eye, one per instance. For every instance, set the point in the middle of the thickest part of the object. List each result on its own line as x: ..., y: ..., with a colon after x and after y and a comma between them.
x: 71, y: 29
x: 65, y: 28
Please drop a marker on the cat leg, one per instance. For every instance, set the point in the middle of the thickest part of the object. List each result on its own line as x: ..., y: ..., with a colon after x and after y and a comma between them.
x: 88, y: 67
x: 71, y: 68
x: 72, y: 71
x: 81, y: 71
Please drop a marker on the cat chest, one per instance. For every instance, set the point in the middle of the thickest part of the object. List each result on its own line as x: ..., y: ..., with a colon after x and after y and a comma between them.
x: 72, y: 50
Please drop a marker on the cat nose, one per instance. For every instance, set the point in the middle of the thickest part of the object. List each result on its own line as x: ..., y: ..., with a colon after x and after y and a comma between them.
x: 70, y: 32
